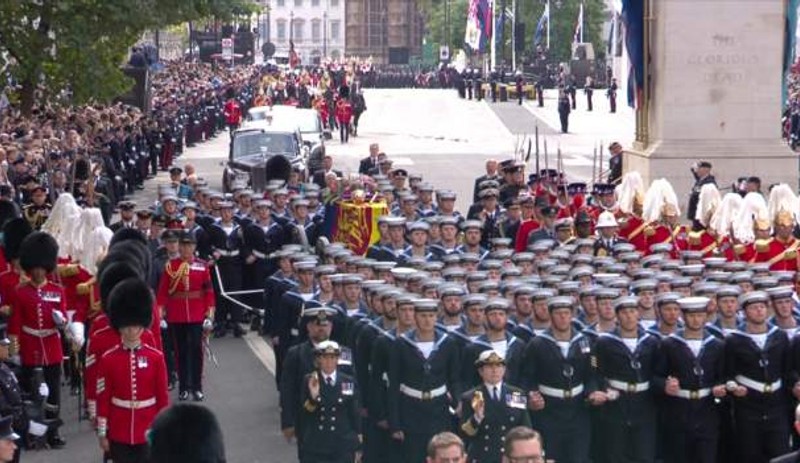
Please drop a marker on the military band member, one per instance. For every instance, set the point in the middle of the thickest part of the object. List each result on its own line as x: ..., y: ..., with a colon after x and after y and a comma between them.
x: 330, y: 406
x: 132, y: 377
x: 557, y: 370
x: 757, y: 371
x: 625, y: 359
x: 423, y: 382
x: 691, y: 373
x: 38, y: 312
x: 186, y: 301
x: 37, y: 212
x: 491, y: 409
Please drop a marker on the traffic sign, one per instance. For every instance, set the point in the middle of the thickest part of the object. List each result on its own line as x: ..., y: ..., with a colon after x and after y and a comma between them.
x: 444, y: 53
x: 227, y: 49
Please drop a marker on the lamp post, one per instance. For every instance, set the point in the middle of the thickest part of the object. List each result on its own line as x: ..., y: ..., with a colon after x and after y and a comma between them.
x: 325, y: 32
x: 291, y: 27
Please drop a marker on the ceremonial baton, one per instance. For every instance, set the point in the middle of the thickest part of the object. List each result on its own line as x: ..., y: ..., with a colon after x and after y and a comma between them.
x: 210, y: 353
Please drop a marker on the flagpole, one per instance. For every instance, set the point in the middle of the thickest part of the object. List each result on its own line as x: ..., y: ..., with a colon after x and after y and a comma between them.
x: 493, y: 49
x: 514, y: 35
x: 582, y: 21
x: 548, y: 24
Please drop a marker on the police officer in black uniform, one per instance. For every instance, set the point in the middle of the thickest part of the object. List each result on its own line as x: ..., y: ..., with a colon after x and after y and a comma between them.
x: 690, y: 371
x: 330, y: 408
x: 625, y: 360
x: 491, y: 409
x: 557, y: 370
x: 423, y: 383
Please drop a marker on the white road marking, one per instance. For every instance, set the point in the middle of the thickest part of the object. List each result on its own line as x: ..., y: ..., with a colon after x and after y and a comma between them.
x: 262, y: 351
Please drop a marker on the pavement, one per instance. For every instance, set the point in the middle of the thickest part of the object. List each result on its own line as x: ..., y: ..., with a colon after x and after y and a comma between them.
x: 432, y: 132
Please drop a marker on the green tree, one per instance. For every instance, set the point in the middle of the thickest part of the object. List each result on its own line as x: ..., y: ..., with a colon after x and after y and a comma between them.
x: 52, y: 45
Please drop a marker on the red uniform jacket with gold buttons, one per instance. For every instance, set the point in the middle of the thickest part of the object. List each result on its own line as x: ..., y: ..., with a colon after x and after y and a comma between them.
x: 100, y: 342
x: 185, y: 291
x: 131, y: 390
x: 780, y: 255
x: 32, y: 322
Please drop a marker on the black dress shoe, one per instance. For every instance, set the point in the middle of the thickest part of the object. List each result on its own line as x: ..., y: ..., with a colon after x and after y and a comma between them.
x: 56, y: 442
x: 198, y: 396
x: 238, y: 331
x: 183, y: 396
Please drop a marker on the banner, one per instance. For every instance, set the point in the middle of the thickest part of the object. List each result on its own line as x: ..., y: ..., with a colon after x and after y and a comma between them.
x: 633, y: 19
x: 578, y: 36
x: 479, y: 25
x: 356, y: 224
x: 544, y: 21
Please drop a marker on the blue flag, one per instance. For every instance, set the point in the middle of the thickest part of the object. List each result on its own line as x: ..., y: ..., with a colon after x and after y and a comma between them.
x: 544, y: 21
x: 633, y: 18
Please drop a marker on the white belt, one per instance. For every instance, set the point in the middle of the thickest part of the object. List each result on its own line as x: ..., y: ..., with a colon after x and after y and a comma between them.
x: 631, y: 388
x: 39, y: 333
x: 694, y: 394
x: 561, y: 393
x: 260, y: 255
x: 764, y: 388
x: 423, y: 395
x: 133, y: 404
x: 225, y: 253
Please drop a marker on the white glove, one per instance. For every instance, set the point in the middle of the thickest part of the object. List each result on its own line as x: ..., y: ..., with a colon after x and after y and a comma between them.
x: 58, y: 318
x: 208, y: 325
x: 44, y: 391
x: 77, y: 331
x: 163, y: 324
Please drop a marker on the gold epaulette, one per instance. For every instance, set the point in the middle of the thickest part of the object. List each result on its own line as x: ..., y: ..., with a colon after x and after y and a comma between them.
x: 649, y: 231
x: 739, y: 249
x: 762, y: 245
x: 82, y: 289
x: 310, y: 406
x: 68, y: 270
x: 468, y: 428
x: 694, y: 238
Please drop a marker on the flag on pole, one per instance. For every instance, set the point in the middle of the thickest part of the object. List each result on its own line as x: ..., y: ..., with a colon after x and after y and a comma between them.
x: 578, y: 37
x: 294, y: 60
x: 500, y: 28
x: 544, y: 21
x: 633, y: 20
x: 479, y: 25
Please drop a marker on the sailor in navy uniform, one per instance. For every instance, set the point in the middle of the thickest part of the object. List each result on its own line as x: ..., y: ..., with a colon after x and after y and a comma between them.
x: 557, y: 371
x: 375, y: 251
x: 261, y: 238
x: 301, y: 229
x: 496, y: 338
x: 396, y: 245
x: 353, y: 312
x: 330, y: 398
x: 784, y: 316
x: 423, y: 383
x: 625, y: 360
x: 226, y: 243
x: 690, y: 371
x: 472, y: 230
x: 419, y: 233
x: 448, y: 229
x: 757, y: 368
x: 283, y: 280
x: 490, y: 410
x: 292, y: 304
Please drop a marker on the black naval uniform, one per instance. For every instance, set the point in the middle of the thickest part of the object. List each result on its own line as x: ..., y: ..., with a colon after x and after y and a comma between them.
x: 564, y: 381
x: 332, y: 433
x: 485, y: 439
x: 694, y: 198
x: 691, y: 420
x: 760, y: 418
x: 229, y: 278
x: 11, y: 403
x: 630, y: 420
x: 515, y: 350
x: 382, y: 448
x: 274, y: 287
x: 422, y: 391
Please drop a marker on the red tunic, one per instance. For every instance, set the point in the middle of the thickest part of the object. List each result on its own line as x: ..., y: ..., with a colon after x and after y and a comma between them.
x: 633, y: 230
x: 344, y: 112
x: 131, y: 390
x: 778, y: 254
x: 100, y: 342
x: 186, y: 294
x: 32, y: 322
x: 661, y: 233
x: 745, y: 252
x: 9, y: 281
x: 525, y: 228
x: 70, y: 276
x: 87, y: 302
x: 702, y: 241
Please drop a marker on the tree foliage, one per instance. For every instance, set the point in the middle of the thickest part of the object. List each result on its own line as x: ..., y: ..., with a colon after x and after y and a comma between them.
x: 47, y: 46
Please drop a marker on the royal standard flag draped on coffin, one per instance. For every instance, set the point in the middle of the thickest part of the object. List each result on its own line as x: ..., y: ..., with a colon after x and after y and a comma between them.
x: 356, y: 224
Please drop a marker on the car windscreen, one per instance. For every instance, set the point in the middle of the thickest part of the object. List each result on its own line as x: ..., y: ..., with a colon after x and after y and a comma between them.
x: 260, y: 143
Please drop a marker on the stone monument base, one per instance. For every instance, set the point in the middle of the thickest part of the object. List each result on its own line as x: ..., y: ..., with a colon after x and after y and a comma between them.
x: 771, y: 160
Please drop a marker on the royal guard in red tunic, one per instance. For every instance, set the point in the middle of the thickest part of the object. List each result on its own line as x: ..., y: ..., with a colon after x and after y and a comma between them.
x: 14, y: 232
x: 752, y: 225
x: 38, y: 312
x: 531, y: 225
x: 132, y: 377
x: 232, y: 110
x: 663, y: 214
x: 780, y: 251
x: 186, y: 298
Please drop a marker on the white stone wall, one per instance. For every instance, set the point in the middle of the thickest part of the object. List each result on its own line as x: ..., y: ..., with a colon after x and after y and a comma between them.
x: 309, y: 18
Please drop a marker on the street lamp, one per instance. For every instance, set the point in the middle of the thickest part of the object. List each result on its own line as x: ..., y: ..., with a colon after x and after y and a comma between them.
x: 291, y: 27
x: 325, y: 32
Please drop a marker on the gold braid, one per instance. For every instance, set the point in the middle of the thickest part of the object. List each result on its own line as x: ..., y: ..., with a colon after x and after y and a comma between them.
x: 182, y: 274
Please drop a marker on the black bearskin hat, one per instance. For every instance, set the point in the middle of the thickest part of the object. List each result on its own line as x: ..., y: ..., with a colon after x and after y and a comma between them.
x: 344, y: 91
x: 8, y: 211
x: 38, y: 250
x: 134, y: 251
x: 111, y: 272
x: 188, y: 433
x: 130, y: 304
x: 128, y: 234
x: 14, y: 231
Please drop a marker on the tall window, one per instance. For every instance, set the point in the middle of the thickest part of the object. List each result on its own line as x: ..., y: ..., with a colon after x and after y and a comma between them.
x: 314, y: 2
x: 298, y: 30
x: 316, y: 30
x: 281, y: 23
x: 334, y: 3
x: 335, y: 25
x: 280, y: 3
x: 298, y: 2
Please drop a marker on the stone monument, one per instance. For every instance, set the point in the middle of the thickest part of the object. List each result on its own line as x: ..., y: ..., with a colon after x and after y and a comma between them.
x: 715, y: 76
